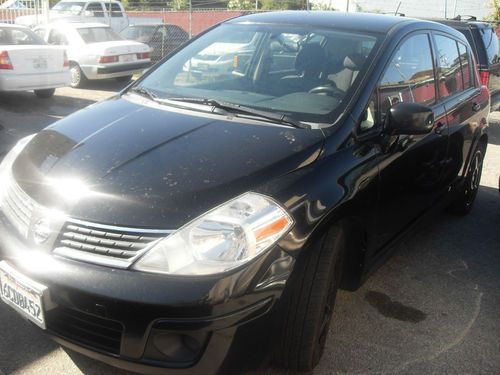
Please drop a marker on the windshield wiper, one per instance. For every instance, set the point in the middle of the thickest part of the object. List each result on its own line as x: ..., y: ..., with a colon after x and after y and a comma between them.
x: 231, y: 107
x: 145, y: 92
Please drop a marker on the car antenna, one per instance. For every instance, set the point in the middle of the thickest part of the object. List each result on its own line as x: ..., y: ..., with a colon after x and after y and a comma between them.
x: 397, y: 9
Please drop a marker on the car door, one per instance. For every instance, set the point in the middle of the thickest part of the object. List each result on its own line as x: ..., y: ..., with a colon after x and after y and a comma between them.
x: 411, y: 166
x: 465, y: 104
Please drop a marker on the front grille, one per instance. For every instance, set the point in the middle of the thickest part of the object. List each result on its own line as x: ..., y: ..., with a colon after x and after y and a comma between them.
x: 85, y: 329
x: 18, y: 207
x: 104, y: 244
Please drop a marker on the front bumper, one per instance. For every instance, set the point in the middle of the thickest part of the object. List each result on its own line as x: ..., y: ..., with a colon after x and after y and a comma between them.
x: 114, y: 70
x: 9, y: 81
x: 117, y: 316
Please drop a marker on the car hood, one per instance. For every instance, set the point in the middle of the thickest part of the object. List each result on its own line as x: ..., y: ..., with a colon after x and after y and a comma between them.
x: 124, y: 163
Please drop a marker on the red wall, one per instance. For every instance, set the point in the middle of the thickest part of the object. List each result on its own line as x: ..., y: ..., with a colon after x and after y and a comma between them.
x: 200, y: 20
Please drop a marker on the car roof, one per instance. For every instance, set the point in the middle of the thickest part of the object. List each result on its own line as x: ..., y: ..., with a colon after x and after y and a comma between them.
x: 378, y: 23
x: 13, y: 26
x: 77, y: 25
x: 149, y: 24
x: 460, y: 23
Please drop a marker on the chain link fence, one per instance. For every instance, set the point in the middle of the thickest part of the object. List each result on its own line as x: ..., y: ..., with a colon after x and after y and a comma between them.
x: 176, y: 27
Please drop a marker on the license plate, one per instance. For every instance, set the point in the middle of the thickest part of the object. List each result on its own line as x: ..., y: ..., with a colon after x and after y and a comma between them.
x: 203, y: 66
x: 127, y: 58
x: 40, y: 63
x: 22, y: 294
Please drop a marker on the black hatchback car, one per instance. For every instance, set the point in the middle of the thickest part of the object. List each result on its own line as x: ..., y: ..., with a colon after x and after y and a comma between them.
x: 203, y: 224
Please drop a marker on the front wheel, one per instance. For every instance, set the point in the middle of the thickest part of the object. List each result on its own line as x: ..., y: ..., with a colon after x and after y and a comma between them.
x: 310, y: 304
x: 45, y: 94
x: 463, y: 204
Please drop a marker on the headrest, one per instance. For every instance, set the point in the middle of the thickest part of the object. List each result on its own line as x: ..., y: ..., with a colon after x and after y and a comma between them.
x: 354, y: 61
x: 310, y: 58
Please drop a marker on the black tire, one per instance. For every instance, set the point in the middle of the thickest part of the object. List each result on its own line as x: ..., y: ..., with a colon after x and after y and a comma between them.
x: 463, y: 204
x: 309, y: 306
x: 45, y: 94
x: 78, y: 78
x: 124, y: 79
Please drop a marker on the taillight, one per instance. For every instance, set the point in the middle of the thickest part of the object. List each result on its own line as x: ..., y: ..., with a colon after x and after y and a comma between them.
x: 108, y: 59
x: 5, y: 62
x: 66, y: 61
x: 143, y: 55
x: 485, y: 78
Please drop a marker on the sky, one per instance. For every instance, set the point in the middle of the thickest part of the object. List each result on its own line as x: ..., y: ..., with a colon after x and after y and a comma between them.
x: 418, y: 8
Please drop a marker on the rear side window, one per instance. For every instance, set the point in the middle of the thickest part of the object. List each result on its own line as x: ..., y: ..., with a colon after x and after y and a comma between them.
x: 410, y: 75
x: 490, y: 41
x: 449, y: 69
x: 12, y: 36
x: 465, y: 61
x: 95, y: 9
x: 57, y: 38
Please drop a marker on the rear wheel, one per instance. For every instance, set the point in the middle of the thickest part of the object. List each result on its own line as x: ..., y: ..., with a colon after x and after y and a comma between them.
x: 78, y: 78
x: 124, y: 79
x: 463, y: 204
x: 45, y: 94
x: 310, y: 304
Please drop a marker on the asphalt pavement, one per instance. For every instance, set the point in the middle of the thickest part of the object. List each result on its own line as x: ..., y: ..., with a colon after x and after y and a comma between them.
x: 433, y: 308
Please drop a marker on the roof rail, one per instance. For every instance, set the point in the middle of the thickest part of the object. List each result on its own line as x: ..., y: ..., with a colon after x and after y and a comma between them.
x: 395, y: 14
x: 465, y: 17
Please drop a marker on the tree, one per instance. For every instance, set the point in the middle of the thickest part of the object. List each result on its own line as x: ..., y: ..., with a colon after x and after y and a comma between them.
x: 179, y: 4
x: 282, y: 4
x: 323, y: 6
x: 241, y: 4
x: 495, y: 15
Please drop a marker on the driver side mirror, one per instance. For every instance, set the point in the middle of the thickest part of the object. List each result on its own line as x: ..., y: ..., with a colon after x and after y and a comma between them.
x: 408, y: 119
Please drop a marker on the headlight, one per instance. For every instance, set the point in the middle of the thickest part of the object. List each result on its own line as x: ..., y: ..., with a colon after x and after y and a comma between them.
x: 224, y: 238
x: 8, y: 160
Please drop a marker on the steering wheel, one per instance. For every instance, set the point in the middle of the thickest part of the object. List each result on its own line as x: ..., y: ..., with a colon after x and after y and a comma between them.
x: 328, y: 90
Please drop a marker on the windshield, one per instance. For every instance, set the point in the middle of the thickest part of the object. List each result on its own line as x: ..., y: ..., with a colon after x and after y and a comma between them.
x: 306, y: 73
x: 73, y: 8
x: 98, y: 34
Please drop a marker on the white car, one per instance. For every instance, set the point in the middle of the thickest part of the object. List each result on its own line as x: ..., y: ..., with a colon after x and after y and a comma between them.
x: 219, y: 58
x: 95, y: 51
x: 28, y: 63
x: 110, y: 12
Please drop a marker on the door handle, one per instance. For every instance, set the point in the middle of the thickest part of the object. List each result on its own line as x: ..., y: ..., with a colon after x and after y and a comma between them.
x: 476, y: 107
x: 439, y: 127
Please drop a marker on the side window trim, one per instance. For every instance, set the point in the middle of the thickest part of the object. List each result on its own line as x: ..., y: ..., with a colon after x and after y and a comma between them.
x: 375, y: 92
x: 433, y: 57
x: 439, y: 98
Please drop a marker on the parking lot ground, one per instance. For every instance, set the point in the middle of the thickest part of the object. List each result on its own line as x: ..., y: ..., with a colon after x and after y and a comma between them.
x: 432, y: 308
x: 23, y: 113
